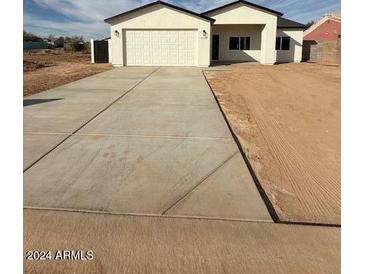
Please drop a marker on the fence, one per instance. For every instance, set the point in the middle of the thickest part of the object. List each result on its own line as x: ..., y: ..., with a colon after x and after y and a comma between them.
x: 100, y: 51
x: 322, y: 51
x: 35, y: 45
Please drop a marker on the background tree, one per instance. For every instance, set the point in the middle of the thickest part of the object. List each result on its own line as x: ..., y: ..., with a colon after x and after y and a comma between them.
x: 74, y: 39
x: 310, y: 23
x: 29, y: 37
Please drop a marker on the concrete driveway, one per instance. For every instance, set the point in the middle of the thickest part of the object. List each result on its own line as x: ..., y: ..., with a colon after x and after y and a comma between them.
x: 145, y: 141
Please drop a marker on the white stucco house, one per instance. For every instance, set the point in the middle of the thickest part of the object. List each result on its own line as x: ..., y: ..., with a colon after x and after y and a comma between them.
x: 161, y: 34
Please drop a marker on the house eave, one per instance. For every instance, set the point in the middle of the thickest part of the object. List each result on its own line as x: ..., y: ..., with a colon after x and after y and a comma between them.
x: 110, y: 19
x: 264, y: 9
x: 298, y: 28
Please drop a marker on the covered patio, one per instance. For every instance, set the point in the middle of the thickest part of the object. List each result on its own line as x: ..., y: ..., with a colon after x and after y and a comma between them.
x: 237, y: 43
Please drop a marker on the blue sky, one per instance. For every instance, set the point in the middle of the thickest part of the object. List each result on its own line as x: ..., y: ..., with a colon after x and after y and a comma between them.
x: 85, y: 17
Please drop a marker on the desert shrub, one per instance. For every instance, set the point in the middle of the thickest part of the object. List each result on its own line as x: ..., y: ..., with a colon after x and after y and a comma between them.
x: 74, y: 46
x: 74, y: 43
x: 34, y: 65
x: 87, y: 48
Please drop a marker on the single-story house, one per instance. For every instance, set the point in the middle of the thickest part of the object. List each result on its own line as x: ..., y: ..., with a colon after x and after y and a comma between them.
x: 162, y: 34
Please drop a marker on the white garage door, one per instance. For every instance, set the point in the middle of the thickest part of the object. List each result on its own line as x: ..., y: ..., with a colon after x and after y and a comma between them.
x: 161, y: 47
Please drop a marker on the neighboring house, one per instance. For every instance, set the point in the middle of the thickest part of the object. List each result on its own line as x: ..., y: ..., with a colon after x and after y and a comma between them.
x: 166, y: 35
x: 326, y: 29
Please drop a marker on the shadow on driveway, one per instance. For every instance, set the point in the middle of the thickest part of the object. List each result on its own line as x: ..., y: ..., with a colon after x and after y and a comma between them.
x: 29, y: 102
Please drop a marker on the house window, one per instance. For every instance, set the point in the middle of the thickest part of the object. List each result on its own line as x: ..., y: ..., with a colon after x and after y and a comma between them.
x: 245, y: 43
x: 282, y: 43
x: 234, y: 43
x: 285, y: 43
x: 239, y: 43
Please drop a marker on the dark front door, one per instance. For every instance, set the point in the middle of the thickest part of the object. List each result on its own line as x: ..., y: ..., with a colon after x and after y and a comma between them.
x: 101, y: 52
x: 215, y: 49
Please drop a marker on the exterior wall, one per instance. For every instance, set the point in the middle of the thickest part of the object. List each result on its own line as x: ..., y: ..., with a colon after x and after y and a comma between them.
x: 329, y: 30
x: 296, y: 43
x: 246, y: 15
x: 224, y: 32
x: 268, y: 40
x: 116, y: 47
x: 160, y: 17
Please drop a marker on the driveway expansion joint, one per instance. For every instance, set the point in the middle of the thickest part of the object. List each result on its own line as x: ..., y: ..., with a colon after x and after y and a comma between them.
x: 201, y: 181
x: 46, y: 133
x: 153, y: 136
x: 187, y: 217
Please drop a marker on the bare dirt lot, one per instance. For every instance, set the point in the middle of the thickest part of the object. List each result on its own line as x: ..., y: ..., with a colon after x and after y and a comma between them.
x: 287, y: 118
x: 48, y: 69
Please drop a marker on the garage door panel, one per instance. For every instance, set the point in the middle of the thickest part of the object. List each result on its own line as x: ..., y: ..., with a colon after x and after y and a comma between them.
x: 161, y: 47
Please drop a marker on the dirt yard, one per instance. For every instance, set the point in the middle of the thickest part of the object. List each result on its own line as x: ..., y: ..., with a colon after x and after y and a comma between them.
x: 48, y: 69
x: 287, y: 118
